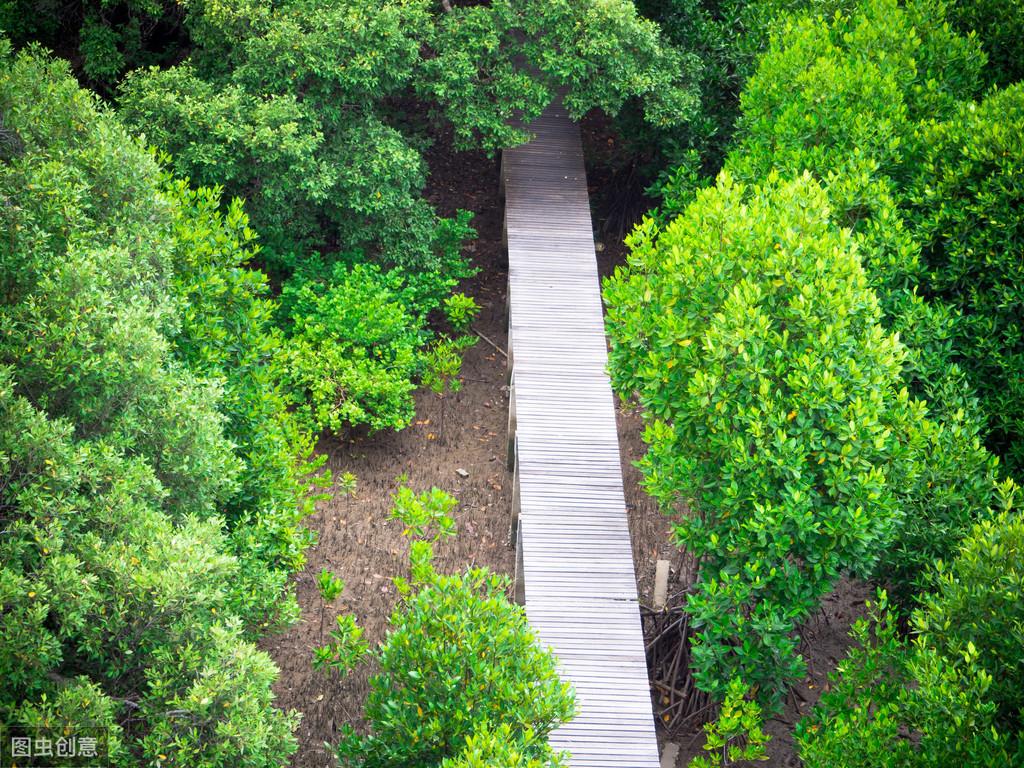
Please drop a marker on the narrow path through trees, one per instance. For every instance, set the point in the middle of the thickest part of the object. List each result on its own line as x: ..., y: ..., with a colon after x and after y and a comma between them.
x: 574, y: 561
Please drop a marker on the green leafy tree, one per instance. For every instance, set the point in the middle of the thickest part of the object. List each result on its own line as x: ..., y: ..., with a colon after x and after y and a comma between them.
x: 976, y: 602
x: 748, y: 332
x: 878, y: 105
x: 884, y: 65
x: 151, y: 480
x: 232, y: 114
x: 111, y: 603
x: 845, y: 98
x: 728, y: 36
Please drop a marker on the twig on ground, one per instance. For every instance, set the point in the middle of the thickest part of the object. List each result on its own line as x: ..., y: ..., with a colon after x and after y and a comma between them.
x: 503, y: 352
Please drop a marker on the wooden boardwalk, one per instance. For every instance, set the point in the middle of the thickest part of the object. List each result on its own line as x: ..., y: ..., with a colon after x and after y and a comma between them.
x: 575, y: 563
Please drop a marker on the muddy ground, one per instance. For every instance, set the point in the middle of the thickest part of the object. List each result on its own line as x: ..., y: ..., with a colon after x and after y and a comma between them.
x: 362, y: 546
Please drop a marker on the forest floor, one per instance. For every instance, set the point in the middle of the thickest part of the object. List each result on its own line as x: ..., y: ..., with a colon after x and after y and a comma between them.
x: 361, y: 545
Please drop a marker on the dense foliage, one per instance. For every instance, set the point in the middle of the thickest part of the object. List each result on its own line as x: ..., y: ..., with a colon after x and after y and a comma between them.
x: 964, y: 210
x: 749, y: 333
x: 1000, y: 28
x: 162, y: 393
x: 862, y: 101
x: 951, y: 694
x: 150, y: 482
x: 826, y: 342
x: 916, y: 171
x: 318, y: 115
x: 108, y: 37
x: 459, y: 656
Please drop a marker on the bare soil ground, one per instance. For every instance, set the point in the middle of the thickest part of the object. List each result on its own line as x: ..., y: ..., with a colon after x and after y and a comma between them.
x: 362, y: 546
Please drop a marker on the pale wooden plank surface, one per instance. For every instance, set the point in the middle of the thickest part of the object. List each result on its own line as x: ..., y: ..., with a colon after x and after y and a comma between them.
x: 577, y: 563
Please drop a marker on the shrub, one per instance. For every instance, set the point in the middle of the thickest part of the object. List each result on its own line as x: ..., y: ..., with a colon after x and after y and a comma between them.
x: 748, y: 332
x: 736, y: 736
x: 964, y: 210
x: 885, y: 689
x: 462, y: 680
x: 842, y: 98
x: 951, y: 694
x: 77, y: 702
x: 877, y: 105
x: 976, y: 601
x: 347, y: 364
x: 460, y: 310
x: 458, y: 654
x: 223, y: 714
x: 727, y: 37
x: 98, y: 581
x: 827, y: 95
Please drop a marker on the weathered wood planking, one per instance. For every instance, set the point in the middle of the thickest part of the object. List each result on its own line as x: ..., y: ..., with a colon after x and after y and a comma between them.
x: 575, y: 571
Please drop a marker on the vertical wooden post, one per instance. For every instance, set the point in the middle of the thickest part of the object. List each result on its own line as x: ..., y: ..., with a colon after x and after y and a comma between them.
x: 510, y: 456
x: 661, y: 570
x: 509, y: 356
x: 520, y: 579
x: 516, y: 500
x: 501, y: 177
